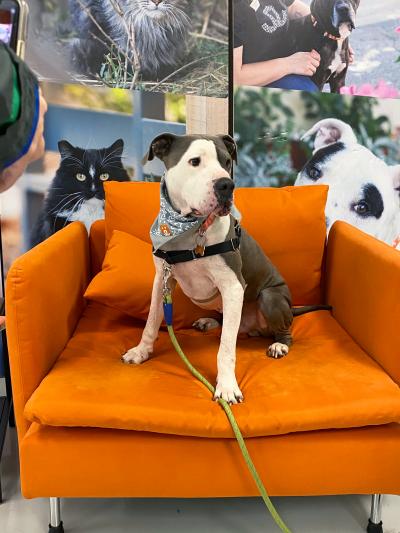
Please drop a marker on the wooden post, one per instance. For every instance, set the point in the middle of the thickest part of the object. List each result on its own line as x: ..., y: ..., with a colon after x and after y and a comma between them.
x: 208, y: 116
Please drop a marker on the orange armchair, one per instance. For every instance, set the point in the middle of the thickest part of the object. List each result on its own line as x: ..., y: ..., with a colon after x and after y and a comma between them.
x: 89, y: 426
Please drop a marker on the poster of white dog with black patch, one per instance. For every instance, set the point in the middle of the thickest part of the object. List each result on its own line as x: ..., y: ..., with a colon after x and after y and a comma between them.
x: 177, y: 46
x: 351, y: 144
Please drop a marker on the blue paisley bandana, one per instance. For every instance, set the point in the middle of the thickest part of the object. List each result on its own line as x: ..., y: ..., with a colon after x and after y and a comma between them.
x: 170, y: 224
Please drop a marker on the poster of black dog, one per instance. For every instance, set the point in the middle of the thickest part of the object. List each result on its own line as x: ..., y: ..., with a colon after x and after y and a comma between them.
x: 339, y: 46
x: 177, y: 46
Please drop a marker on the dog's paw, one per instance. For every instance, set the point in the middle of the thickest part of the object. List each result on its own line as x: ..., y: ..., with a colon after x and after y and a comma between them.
x: 278, y: 350
x: 206, y: 324
x: 228, y: 391
x: 135, y: 356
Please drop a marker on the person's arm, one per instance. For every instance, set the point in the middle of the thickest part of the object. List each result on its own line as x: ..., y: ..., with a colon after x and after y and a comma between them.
x: 21, y: 117
x: 13, y: 172
x: 266, y: 72
x: 298, y: 9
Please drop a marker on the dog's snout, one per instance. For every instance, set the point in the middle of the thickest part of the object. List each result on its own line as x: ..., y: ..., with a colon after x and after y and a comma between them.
x: 344, y: 13
x: 223, y: 189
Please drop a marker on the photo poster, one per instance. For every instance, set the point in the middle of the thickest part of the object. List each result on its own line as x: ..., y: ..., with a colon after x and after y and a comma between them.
x: 337, y: 124
x: 179, y: 46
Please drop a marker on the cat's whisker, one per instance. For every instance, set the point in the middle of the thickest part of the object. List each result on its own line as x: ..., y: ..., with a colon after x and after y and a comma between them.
x: 59, y: 208
x: 116, y: 150
x: 64, y: 198
x: 75, y: 208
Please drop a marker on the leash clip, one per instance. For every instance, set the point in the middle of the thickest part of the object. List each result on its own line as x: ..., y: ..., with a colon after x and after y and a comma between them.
x: 167, y: 274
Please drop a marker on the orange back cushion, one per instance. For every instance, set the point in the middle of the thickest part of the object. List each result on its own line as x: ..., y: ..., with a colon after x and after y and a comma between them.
x: 288, y: 223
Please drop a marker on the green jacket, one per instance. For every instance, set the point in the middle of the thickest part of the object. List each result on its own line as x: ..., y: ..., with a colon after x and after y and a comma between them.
x: 19, y: 107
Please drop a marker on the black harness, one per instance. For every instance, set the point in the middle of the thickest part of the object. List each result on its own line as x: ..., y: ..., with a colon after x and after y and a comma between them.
x: 184, y: 256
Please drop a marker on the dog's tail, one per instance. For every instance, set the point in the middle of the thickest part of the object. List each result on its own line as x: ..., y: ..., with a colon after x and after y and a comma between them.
x: 298, y: 311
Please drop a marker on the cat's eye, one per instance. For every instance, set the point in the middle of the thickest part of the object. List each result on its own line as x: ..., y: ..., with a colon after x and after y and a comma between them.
x: 195, y: 162
x: 104, y: 177
x: 81, y: 177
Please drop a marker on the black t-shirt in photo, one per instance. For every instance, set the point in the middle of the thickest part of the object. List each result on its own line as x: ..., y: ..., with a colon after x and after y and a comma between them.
x: 260, y: 26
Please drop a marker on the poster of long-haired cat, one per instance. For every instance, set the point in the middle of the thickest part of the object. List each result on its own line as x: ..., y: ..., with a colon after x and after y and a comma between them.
x: 177, y: 46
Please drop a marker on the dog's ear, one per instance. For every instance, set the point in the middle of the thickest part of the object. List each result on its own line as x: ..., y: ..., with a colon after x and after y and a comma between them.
x: 231, y: 146
x: 330, y: 131
x: 160, y: 147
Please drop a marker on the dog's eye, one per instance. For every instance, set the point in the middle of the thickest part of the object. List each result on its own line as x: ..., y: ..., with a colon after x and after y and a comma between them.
x: 81, y: 177
x: 195, y: 162
x: 104, y: 177
x: 315, y: 173
x: 362, y: 208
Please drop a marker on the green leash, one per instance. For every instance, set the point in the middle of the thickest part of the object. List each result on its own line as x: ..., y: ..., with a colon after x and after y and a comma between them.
x: 168, y: 313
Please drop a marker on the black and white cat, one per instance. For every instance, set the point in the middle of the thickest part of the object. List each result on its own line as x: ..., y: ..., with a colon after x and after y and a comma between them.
x: 77, y: 191
x: 160, y: 29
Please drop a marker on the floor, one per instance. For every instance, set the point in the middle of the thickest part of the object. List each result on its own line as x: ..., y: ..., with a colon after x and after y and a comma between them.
x: 303, y: 515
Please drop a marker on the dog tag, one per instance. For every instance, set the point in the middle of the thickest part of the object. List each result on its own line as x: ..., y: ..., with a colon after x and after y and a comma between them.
x: 165, y: 230
x: 200, y: 245
x: 199, y: 250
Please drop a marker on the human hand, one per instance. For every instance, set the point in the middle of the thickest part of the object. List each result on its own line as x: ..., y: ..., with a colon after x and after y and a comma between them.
x: 36, y: 150
x: 304, y: 63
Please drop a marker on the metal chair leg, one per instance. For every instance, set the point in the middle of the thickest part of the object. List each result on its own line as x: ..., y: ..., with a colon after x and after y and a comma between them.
x: 56, y: 525
x: 375, y: 520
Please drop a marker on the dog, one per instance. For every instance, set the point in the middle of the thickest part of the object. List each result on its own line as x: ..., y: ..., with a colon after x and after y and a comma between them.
x: 240, y: 280
x: 327, y: 30
x: 363, y: 190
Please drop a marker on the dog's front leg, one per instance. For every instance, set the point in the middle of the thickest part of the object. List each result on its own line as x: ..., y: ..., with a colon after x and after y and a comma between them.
x: 144, y: 349
x: 232, y: 293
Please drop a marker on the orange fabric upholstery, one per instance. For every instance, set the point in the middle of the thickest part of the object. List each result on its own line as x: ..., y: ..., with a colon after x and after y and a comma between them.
x: 325, y: 382
x: 126, y: 282
x: 97, y: 242
x: 288, y: 223
x: 44, y: 301
x: 111, y: 463
x: 364, y: 289
x: 132, y: 208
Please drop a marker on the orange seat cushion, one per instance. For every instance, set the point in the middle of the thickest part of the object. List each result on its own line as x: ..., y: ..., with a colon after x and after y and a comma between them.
x: 325, y: 382
x: 288, y: 223
x: 124, y: 286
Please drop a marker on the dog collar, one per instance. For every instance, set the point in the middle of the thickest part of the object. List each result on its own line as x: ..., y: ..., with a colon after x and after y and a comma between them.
x: 184, y: 256
x: 326, y: 34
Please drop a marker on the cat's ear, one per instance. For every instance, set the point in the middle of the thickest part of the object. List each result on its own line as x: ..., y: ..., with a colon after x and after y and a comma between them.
x: 117, y: 148
x: 66, y: 149
x: 160, y: 147
x: 231, y: 146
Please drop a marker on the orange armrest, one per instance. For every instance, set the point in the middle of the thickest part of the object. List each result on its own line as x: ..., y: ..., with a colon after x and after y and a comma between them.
x: 363, y: 286
x: 44, y: 301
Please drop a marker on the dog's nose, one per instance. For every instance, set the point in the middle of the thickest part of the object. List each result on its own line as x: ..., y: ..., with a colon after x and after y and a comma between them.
x: 223, y: 189
x: 344, y: 11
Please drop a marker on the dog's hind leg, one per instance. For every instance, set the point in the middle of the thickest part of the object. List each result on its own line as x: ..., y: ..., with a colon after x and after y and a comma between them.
x: 274, y: 303
x: 206, y: 324
x: 144, y: 349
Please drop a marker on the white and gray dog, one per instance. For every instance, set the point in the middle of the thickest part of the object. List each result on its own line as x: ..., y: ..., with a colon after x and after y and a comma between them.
x: 363, y: 190
x: 158, y: 28
x: 227, y: 272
